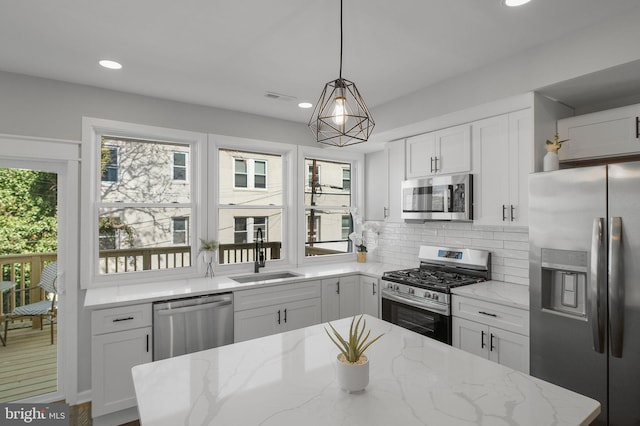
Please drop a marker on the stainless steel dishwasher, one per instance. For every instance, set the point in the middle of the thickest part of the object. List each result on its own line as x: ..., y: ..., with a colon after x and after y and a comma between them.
x: 182, y: 326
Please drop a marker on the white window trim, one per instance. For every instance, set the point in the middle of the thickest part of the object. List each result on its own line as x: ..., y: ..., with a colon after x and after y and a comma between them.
x: 289, y: 196
x: 92, y: 129
x: 357, y: 195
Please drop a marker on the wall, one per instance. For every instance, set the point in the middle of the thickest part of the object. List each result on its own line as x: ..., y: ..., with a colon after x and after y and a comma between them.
x: 398, y: 243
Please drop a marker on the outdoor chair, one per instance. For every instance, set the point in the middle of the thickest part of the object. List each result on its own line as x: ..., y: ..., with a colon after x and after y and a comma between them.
x: 46, y: 308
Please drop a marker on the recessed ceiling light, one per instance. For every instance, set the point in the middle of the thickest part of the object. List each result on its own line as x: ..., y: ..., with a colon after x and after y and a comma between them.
x: 112, y: 65
x: 305, y: 105
x: 514, y: 3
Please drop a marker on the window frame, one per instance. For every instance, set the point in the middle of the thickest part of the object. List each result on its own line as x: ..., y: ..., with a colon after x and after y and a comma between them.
x: 356, y: 160
x: 116, y: 166
x: 92, y: 131
x: 184, y: 231
x: 185, y: 167
x: 288, y: 154
x: 250, y: 174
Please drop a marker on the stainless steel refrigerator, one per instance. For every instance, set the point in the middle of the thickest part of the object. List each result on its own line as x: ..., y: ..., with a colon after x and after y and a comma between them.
x: 585, y: 284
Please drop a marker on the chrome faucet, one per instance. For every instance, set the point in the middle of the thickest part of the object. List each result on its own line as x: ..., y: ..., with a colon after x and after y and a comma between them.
x: 260, y: 258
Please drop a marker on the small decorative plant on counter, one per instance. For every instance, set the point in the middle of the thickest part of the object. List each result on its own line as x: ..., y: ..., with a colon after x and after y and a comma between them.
x: 352, y: 364
x: 208, y: 248
x: 358, y: 235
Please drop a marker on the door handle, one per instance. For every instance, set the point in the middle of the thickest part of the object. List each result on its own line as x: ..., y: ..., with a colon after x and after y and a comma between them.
x: 598, y: 264
x: 491, y: 347
x: 147, y: 342
x: 278, y: 316
x: 338, y: 287
x: 436, y: 158
x: 512, y: 208
x: 616, y: 287
x: 482, y: 345
x: 637, y: 127
x: 285, y: 316
x: 431, y: 164
x: 123, y: 319
x: 384, y: 212
x: 504, y: 212
x: 374, y: 289
x: 488, y: 314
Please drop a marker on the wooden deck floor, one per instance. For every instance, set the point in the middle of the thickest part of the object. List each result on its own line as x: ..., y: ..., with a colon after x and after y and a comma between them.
x: 27, y: 364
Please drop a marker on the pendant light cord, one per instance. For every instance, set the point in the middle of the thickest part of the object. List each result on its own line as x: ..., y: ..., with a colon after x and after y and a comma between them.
x: 340, y: 39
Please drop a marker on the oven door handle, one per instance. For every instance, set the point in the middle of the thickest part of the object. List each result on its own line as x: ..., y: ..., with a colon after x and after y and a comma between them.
x: 401, y: 299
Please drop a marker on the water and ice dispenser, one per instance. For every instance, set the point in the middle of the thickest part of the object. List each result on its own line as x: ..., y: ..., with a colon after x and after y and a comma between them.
x: 564, y: 282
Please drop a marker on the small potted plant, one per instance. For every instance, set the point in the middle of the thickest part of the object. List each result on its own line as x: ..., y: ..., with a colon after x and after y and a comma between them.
x: 361, y: 248
x: 551, y: 161
x: 352, y: 364
x: 208, y: 248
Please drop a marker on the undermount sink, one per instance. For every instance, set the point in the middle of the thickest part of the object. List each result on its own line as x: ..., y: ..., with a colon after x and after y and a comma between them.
x: 265, y: 277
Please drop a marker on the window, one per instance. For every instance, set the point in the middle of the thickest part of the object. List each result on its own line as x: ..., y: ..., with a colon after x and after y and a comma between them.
x: 346, y: 226
x: 179, y: 166
x: 144, y: 211
x: 250, y: 173
x: 109, y: 163
x: 248, y: 200
x: 346, y: 179
x: 245, y: 226
x: 180, y: 230
x: 327, y: 202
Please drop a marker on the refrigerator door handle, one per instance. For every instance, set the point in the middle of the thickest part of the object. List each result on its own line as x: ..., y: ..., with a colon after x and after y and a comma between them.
x: 616, y: 287
x: 597, y: 275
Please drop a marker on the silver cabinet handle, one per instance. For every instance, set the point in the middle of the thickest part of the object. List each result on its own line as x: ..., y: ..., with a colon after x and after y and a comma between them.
x: 616, y: 287
x: 436, y: 158
x: 385, y: 212
x: 598, y: 269
x: 431, y: 164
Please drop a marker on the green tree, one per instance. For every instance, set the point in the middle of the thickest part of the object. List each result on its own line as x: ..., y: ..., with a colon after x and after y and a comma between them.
x: 28, y: 212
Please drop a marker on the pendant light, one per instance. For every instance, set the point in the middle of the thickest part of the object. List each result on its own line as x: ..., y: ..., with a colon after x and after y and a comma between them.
x: 341, y: 117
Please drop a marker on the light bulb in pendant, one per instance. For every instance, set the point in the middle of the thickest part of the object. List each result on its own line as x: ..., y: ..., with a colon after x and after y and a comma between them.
x: 339, y: 114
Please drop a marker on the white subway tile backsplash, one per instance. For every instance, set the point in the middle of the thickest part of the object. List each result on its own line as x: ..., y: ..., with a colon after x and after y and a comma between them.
x: 398, y: 243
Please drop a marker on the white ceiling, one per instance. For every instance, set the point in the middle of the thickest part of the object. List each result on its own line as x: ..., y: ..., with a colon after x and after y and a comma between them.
x: 228, y: 54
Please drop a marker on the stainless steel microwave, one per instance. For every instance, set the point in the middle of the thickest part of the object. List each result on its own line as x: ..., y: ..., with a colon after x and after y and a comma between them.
x: 438, y: 198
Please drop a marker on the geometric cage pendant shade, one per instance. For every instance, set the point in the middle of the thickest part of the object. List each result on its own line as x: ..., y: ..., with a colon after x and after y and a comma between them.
x: 341, y: 117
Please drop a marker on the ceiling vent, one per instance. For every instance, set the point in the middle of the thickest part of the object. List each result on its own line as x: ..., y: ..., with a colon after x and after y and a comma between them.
x: 279, y: 96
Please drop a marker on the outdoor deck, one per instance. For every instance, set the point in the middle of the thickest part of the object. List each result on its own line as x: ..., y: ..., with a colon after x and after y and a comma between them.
x: 27, y: 363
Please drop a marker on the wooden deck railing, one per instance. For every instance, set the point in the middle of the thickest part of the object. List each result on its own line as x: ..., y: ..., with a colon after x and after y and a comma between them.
x: 25, y: 269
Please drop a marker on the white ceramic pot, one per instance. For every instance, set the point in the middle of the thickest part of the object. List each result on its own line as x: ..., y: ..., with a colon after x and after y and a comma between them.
x: 550, y: 162
x: 352, y: 377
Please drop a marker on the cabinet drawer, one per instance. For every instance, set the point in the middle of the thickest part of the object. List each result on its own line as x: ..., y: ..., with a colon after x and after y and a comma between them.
x: 119, y: 319
x: 492, y: 314
x: 268, y: 296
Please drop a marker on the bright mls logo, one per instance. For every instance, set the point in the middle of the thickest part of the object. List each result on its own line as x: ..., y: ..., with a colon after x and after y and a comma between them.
x: 56, y: 414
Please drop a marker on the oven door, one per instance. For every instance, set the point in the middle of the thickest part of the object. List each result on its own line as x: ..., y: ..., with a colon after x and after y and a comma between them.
x: 422, y: 321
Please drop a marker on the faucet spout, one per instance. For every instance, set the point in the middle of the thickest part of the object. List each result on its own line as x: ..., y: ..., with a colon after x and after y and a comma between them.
x: 259, y: 254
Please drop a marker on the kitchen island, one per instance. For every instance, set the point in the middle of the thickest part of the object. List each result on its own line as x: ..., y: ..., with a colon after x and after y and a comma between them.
x: 290, y: 379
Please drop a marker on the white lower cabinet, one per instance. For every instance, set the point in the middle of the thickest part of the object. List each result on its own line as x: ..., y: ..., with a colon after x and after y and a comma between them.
x: 370, y: 296
x: 270, y: 310
x: 121, y: 339
x: 340, y: 297
x: 497, y: 332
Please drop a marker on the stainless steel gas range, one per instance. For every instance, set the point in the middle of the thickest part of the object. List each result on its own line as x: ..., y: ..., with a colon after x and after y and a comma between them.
x: 419, y: 299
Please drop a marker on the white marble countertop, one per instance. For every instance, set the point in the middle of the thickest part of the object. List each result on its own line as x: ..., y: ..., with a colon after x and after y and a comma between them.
x: 106, y: 297
x: 289, y: 379
x: 509, y: 294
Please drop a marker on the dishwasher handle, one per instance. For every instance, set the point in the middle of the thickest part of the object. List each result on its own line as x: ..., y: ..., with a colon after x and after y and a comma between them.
x: 192, y: 308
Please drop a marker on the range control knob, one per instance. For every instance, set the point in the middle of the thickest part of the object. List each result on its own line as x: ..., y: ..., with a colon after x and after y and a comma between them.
x: 427, y: 295
x: 412, y: 291
x: 434, y: 296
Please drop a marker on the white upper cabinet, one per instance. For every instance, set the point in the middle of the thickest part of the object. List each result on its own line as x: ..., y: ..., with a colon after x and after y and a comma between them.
x: 376, y: 197
x: 610, y: 133
x: 445, y: 151
x: 502, y: 157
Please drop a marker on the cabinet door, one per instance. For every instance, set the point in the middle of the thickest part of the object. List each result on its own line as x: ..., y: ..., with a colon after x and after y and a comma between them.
x: 491, y: 158
x: 453, y: 150
x: 113, y: 356
x: 470, y: 336
x: 302, y: 313
x: 600, y: 134
x: 520, y: 165
x: 395, y: 153
x: 420, y: 155
x: 369, y: 296
x: 330, y: 299
x: 259, y: 322
x: 349, y: 296
x: 376, y: 186
x: 509, y: 349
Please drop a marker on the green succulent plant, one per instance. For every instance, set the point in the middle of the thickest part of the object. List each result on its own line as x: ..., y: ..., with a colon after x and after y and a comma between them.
x: 208, y: 245
x: 357, y: 342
